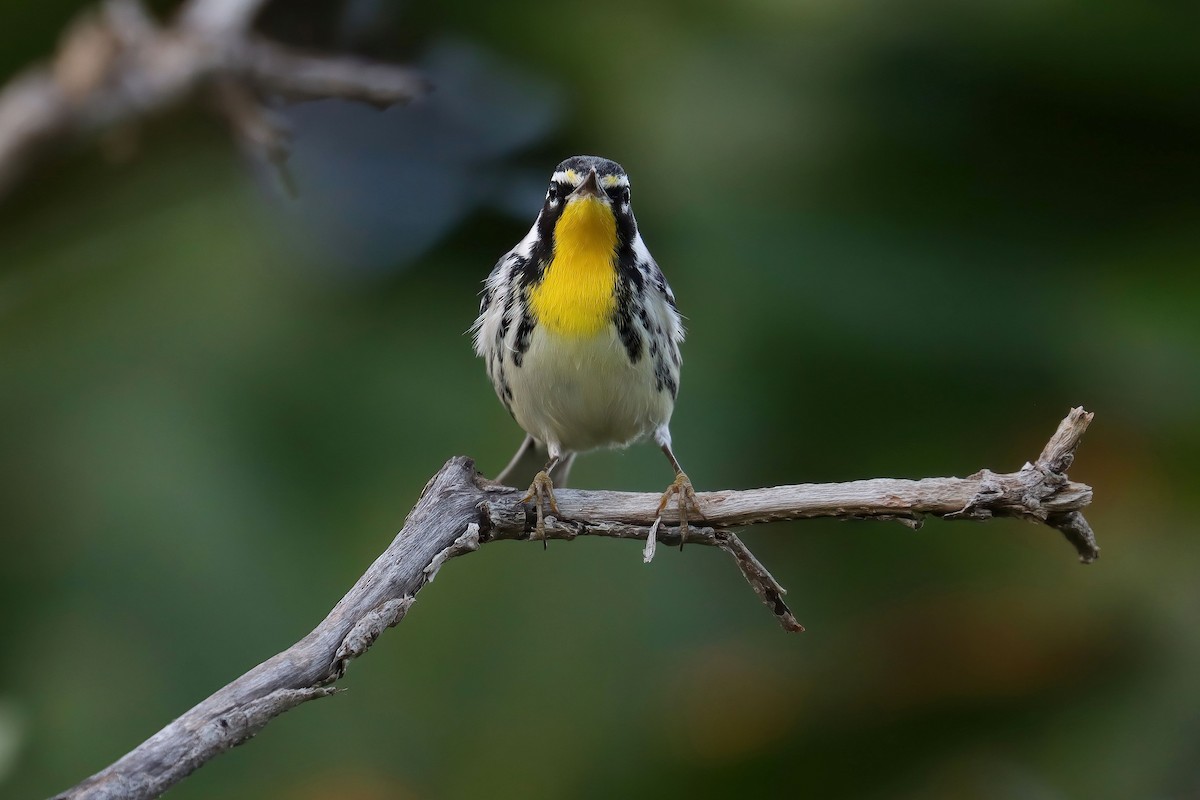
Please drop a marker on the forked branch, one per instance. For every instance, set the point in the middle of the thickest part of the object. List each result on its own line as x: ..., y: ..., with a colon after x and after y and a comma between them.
x: 117, y: 65
x: 459, y: 510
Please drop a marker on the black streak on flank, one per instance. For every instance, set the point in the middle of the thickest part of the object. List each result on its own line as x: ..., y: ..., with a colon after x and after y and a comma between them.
x: 503, y: 389
x: 644, y: 316
x: 502, y: 331
x: 663, y: 379
x: 627, y: 329
x: 660, y: 283
x: 524, y: 331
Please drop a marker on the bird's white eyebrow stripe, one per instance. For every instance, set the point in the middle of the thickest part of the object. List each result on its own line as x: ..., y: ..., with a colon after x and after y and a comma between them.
x: 573, y: 177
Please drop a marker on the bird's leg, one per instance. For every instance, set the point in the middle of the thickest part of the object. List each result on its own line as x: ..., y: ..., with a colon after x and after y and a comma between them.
x: 542, y: 491
x: 681, y: 489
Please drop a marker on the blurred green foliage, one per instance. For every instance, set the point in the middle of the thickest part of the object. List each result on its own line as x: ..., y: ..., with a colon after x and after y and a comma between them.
x: 907, y: 237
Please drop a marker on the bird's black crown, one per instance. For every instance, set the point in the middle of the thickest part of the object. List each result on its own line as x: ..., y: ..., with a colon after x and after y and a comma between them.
x: 582, y: 164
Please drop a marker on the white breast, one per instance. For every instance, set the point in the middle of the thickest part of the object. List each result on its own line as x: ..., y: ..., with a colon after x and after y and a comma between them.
x: 583, y: 393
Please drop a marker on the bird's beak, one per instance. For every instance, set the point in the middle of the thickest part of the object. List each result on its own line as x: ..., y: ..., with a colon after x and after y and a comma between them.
x: 590, y: 186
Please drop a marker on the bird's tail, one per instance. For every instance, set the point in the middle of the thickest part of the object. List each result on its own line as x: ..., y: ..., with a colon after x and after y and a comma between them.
x: 529, y: 460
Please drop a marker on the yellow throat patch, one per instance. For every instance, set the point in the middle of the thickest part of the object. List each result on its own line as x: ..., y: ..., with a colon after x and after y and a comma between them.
x: 576, y: 296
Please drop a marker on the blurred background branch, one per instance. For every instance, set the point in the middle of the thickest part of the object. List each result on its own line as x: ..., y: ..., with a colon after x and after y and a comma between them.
x: 459, y: 510
x: 116, y: 65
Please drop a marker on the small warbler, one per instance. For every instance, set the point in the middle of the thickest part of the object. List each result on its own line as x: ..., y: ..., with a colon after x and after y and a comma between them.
x: 581, y: 334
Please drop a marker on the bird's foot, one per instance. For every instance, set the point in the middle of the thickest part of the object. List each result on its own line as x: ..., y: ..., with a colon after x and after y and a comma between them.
x: 541, y: 492
x: 685, y: 497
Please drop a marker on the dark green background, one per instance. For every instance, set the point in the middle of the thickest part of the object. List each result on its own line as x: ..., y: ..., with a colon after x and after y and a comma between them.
x: 907, y: 238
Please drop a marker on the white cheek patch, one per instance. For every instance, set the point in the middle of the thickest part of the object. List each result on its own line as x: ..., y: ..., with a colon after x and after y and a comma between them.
x: 525, y: 246
x: 641, y: 251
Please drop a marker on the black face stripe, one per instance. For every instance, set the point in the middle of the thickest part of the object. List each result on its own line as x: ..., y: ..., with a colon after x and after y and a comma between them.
x: 542, y: 253
x: 629, y: 272
x: 618, y: 195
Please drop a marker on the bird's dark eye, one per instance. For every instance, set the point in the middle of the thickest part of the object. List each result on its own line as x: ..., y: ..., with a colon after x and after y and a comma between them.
x: 619, y: 196
x: 552, y: 195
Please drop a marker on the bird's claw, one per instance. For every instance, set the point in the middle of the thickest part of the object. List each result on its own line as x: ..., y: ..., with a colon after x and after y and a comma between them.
x: 541, y: 492
x: 681, y: 489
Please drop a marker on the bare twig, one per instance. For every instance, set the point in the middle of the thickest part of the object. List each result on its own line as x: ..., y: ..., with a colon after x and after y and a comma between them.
x: 459, y: 510
x: 303, y: 76
x: 220, y: 16
x: 118, y: 66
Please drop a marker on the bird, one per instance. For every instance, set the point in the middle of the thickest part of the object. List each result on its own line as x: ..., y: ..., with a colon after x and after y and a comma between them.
x: 581, y: 335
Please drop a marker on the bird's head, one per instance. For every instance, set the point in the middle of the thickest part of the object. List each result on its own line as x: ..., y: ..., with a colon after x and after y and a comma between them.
x: 587, y: 205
